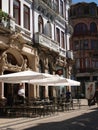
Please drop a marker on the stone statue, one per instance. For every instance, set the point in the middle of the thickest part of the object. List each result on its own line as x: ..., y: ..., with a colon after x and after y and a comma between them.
x: 3, y: 60
x: 24, y: 65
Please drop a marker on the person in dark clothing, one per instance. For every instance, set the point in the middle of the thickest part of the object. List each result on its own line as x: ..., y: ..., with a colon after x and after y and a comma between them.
x: 9, y: 100
x: 68, y: 95
x: 96, y: 95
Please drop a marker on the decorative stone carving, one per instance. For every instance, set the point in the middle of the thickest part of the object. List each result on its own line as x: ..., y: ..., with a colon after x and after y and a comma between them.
x: 46, y: 63
x: 24, y: 65
x: 17, y: 41
x: 3, y: 61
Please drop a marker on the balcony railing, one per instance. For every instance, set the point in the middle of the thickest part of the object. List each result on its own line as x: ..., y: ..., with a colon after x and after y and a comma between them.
x: 6, y: 22
x: 69, y: 54
x: 46, y: 42
x: 62, y: 52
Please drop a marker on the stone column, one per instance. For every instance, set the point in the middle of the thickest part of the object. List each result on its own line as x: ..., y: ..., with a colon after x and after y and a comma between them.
x: 37, y: 91
x: 54, y: 92
x: 2, y: 90
x: 46, y: 92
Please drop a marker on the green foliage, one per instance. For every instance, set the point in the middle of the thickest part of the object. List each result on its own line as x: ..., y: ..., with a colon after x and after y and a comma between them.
x: 3, y: 14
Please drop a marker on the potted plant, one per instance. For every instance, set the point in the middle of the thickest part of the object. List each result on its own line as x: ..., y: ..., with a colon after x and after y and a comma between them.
x: 3, y: 18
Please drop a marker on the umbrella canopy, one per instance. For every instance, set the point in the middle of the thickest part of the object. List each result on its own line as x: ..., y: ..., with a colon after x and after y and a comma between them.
x: 50, y: 79
x: 23, y: 76
x: 65, y: 82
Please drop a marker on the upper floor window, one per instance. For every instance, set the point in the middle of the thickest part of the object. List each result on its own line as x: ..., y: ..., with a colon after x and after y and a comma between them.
x: 16, y: 11
x: 0, y: 4
x: 26, y: 17
x: 80, y: 28
x: 40, y: 24
x: 62, y: 40
x: 80, y: 10
x: 93, y: 27
x: 84, y: 44
x: 61, y: 7
x: 92, y: 10
x: 94, y: 63
x: 55, y: 5
x: 76, y: 45
x: 77, y: 63
x: 87, y: 62
x: 48, y: 29
x: 86, y: 10
x: 58, y: 35
x: 94, y: 44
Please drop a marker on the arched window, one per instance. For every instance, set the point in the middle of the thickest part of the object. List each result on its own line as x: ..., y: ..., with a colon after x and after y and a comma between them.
x: 16, y: 11
x: 40, y: 24
x: 93, y: 27
x: 80, y: 28
x: 48, y: 29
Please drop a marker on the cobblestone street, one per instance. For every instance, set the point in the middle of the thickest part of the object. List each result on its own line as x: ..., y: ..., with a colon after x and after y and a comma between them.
x: 80, y: 119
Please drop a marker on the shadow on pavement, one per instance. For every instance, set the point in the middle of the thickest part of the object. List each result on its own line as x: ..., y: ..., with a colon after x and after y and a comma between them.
x: 86, y: 121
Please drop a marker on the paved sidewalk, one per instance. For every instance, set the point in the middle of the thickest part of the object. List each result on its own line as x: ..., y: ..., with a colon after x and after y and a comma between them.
x: 79, y: 119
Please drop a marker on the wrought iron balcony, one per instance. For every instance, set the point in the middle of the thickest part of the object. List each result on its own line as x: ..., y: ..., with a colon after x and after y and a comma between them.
x: 46, y: 42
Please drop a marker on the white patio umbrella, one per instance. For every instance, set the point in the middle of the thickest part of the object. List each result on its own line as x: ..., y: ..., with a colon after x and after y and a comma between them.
x: 65, y: 82
x: 50, y: 79
x: 23, y: 76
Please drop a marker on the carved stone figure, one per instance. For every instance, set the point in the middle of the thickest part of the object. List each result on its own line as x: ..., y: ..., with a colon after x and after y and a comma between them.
x: 24, y: 65
x: 3, y: 60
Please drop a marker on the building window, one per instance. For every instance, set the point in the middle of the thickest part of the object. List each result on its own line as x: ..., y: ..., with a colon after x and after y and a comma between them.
x: 48, y: 29
x: 76, y: 45
x: 58, y: 35
x: 0, y: 4
x: 62, y: 40
x: 61, y: 7
x: 26, y: 17
x: 86, y: 10
x: 92, y: 10
x: 93, y: 27
x: 80, y: 28
x: 94, y: 63
x: 77, y: 63
x: 40, y: 24
x: 84, y: 44
x: 55, y: 5
x: 87, y: 63
x: 80, y: 10
x: 94, y: 44
x: 16, y: 11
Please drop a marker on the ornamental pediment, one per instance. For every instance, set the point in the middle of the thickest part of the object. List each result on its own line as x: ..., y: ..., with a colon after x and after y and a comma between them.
x: 17, y: 41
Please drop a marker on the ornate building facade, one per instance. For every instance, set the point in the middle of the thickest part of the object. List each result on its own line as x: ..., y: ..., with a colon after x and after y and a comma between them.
x: 34, y: 35
x: 84, y: 41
